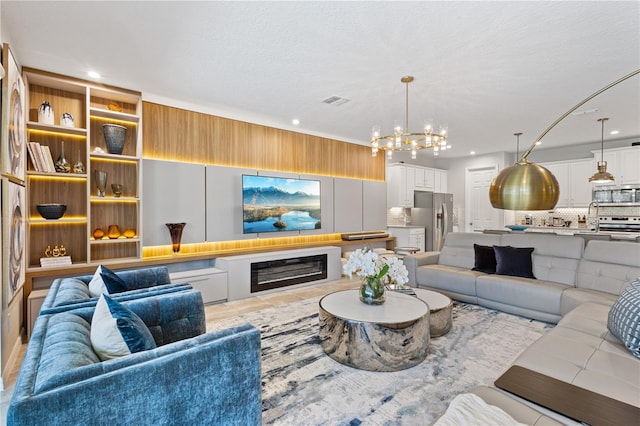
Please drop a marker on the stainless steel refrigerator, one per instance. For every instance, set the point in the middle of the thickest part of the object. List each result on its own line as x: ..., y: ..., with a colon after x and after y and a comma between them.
x: 433, y: 211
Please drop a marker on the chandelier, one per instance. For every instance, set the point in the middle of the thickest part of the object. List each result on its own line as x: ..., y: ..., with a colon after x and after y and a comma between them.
x: 404, y: 140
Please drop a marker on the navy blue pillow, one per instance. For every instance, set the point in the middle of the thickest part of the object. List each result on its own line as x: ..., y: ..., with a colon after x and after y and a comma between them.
x: 112, y: 282
x: 485, y: 259
x: 514, y: 261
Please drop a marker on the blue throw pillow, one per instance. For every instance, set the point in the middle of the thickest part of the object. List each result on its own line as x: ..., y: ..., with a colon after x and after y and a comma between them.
x: 106, y: 281
x: 117, y: 331
x: 485, y: 259
x: 624, y: 318
x: 112, y: 282
x: 514, y: 261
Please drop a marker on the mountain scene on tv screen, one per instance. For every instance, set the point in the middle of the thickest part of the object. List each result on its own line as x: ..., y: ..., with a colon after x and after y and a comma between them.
x: 286, y: 205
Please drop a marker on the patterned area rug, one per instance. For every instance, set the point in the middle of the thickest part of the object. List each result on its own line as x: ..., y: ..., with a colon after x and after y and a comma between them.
x: 303, y: 386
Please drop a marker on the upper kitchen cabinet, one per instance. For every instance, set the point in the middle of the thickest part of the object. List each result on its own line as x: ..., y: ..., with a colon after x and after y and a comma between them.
x: 400, y: 185
x: 622, y: 163
x: 573, y: 179
x: 403, y: 179
x: 66, y: 117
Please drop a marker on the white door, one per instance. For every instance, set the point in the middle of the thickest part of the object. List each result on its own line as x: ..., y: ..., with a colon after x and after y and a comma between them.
x: 480, y: 213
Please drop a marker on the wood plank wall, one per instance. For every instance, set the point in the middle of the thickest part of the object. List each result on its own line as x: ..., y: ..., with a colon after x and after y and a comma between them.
x: 180, y: 135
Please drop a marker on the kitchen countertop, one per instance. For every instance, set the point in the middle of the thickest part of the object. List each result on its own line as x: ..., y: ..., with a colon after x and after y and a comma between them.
x: 405, y: 226
x: 571, y: 231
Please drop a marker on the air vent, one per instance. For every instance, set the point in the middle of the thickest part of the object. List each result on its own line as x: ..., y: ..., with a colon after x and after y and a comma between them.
x: 585, y: 112
x: 335, y: 100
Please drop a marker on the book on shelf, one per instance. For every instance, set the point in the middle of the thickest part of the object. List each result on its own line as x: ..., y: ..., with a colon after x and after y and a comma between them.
x: 36, y: 155
x: 55, y: 261
x: 48, y: 159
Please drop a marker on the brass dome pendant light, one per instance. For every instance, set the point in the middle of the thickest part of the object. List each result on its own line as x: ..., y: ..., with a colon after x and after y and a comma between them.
x: 602, y: 175
x: 529, y: 186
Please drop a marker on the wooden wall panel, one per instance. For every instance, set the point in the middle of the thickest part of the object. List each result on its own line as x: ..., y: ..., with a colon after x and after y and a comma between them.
x: 181, y: 135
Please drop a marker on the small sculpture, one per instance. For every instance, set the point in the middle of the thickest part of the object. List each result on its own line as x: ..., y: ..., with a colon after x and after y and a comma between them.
x: 67, y: 120
x: 45, y: 113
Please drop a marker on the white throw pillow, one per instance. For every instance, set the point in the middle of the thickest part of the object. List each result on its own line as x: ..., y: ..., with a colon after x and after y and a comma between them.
x: 117, y: 331
x: 96, y: 285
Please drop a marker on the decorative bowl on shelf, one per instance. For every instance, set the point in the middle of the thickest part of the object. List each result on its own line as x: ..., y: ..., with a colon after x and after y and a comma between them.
x: 517, y: 227
x: 51, y: 211
x: 114, y: 137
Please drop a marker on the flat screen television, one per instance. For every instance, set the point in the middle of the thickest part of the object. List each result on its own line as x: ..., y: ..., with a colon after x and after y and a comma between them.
x: 272, y: 204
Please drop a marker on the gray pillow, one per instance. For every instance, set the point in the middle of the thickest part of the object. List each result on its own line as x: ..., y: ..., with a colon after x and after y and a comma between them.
x: 624, y: 318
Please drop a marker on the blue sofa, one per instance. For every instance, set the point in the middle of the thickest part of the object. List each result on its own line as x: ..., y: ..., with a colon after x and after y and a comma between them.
x: 72, y: 293
x: 192, y: 377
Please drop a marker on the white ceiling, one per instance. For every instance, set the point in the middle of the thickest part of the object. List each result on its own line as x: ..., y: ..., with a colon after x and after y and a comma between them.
x: 487, y: 69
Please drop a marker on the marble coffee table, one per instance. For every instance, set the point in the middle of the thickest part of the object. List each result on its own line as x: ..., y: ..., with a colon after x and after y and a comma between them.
x: 440, y: 307
x: 388, y: 337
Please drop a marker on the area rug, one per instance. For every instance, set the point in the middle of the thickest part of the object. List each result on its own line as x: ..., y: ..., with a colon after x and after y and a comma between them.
x: 303, y: 386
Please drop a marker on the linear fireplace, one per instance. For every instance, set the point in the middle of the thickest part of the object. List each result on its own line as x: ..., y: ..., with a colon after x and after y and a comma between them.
x: 270, y: 274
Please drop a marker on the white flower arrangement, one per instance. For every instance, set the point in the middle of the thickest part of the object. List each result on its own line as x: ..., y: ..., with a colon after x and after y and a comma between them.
x: 366, y: 263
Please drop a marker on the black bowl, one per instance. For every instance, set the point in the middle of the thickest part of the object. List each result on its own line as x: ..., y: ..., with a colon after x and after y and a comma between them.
x: 51, y: 211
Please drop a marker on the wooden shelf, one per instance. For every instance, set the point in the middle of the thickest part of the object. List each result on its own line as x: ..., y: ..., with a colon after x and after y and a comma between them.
x: 113, y: 157
x: 54, y: 175
x: 63, y: 130
x: 119, y: 240
x: 36, y: 221
x: 114, y: 115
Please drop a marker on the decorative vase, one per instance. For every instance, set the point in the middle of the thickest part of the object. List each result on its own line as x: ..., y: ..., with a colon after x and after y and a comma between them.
x: 78, y: 167
x: 62, y: 165
x: 114, y: 136
x: 101, y: 181
x: 113, y: 232
x: 45, y: 113
x: 117, y: 189
x: 98, y: 234
x: 129, y: 233
x: 67, y: 120
x: 372, y: 291
x: 175, y: 230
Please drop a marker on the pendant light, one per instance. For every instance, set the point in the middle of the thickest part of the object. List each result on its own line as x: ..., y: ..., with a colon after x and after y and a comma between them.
x: 529, y: 186
x: 602, y: 175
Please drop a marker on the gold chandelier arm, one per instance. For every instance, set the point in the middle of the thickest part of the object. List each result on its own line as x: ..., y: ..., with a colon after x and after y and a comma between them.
x: 523, y: 159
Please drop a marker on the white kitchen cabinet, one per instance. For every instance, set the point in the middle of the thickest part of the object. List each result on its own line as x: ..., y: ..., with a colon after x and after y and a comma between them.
x: 622, y: 163
x: 400, y: 185
x: 561, y: 172
x: 440, y: 181
x: 424, y: 179
x: 581, y: 189
x: 404, y: 179
x: 573, y: 179
x: 408, y: 236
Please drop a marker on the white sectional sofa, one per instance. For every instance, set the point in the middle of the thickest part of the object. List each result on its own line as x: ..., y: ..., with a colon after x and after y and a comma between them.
x: 583, y: 371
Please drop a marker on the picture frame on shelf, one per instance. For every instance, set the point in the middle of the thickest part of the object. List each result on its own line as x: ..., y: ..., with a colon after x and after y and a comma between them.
x: 14, y: 119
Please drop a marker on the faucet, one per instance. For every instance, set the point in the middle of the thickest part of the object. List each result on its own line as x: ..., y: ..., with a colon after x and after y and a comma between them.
x: 594, y: 203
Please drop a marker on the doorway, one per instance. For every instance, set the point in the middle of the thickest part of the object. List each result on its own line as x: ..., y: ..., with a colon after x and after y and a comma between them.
x: 480, y: 214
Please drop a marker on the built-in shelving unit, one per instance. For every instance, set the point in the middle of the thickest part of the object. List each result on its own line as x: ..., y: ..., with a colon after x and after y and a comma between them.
x: 91, y: 106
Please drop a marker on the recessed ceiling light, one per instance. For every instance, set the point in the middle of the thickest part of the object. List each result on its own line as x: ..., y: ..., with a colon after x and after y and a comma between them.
x: 295, y: 121
x: 614, y: 132
x: 539, y: 143
x: 472, y: 153
x: 93, y: 74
